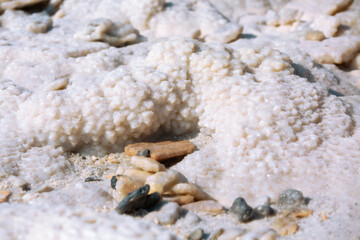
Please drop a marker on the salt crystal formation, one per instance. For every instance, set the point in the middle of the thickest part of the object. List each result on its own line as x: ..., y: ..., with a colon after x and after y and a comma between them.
x: 269, y: 88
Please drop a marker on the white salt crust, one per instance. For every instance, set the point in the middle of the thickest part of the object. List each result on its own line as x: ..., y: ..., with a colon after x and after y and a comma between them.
x: 264, y: 103
x: 82, y: 223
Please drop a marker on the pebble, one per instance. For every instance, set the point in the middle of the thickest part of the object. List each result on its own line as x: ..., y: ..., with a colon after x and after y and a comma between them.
x: 169, y: 214
x: 137, y: 174
x: 264, y: 210
x: 198, y: 234
x: 241, y: 209
x: 4, y: 195
x: 147, y: 164
x: 143, y: 153
x: 291, y: 198
x: 315, y: 36
x: 179, y: 199
x: 113, y: 182
x: 92, y: 179
x: 134, y: 200
x: 161, y: 151
x: 207, y: 206
x: 152, y: 200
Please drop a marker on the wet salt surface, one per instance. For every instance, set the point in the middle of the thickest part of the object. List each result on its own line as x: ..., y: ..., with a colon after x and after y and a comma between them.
x: 262, y: 112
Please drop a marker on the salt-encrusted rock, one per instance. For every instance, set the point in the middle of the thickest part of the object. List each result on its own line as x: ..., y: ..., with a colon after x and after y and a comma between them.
x: 116, y: 34
x: 227, y: 33
x: 147, y: 164
x: 207, y: 206
x: 334, y: 50
x: 19, y: 20
x: 13, y: 4
x: 291, y: 198
x: 328, y: 25
x: 169, y: 213
x: 162, y: 150
x: 241, y: 210
x: 197, y: 234
x: 4, y: 195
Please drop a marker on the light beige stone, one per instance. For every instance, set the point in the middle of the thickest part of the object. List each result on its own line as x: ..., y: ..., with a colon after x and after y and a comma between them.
x: 147, y: 164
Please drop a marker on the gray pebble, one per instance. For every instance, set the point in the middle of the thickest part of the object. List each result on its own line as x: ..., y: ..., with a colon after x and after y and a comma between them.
x: 152, y: 200
x: 291, y: 198
x: 92, y: 179
x: 113, y: 182
x: 198, y: 234
x: 241, y: 209
x: 134, y: 200
x: 264, y: 210
x: 144, y: 153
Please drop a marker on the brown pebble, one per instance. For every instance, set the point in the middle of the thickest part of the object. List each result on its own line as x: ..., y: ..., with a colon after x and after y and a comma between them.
x: 180, y: 199
x: 315, y: 36
x: 208, y: 206
x: 4, y: 195
x: 301, y: 213
x: 161, y: 151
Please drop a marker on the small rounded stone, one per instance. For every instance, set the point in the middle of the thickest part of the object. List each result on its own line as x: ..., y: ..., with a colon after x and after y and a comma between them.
x: 113, y: 182
x: 291, y: 198
x: 315, y: 36
x: 198, y: 234
x: 264, y: 210
x: 241, y: 209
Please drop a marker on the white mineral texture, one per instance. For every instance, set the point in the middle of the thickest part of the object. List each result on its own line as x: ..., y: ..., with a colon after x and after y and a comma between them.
x: 268, y: 106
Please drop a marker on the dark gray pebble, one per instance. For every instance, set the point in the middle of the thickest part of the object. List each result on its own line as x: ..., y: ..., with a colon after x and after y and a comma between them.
x: 134, y: 200
x: 144, y: 153
x: 152, y: 200
x: 198, y: 234
x: 264, y: 210
x: 113, y: 182
x: 26, y: 187
x: 291, y: 198
x: 241, y: 209
x: 138, y: 199
x: 92, y: 179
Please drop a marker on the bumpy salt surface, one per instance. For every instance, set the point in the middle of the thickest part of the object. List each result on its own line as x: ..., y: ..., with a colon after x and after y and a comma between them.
x: 264, y: 104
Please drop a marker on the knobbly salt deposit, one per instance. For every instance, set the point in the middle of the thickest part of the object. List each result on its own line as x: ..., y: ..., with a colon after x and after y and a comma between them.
x: 268, y: 107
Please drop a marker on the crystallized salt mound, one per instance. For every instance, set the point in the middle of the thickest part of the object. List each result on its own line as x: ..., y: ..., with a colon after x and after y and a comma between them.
x: 157, y: 18
x: 261, y: 115
x: 64, y: 223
